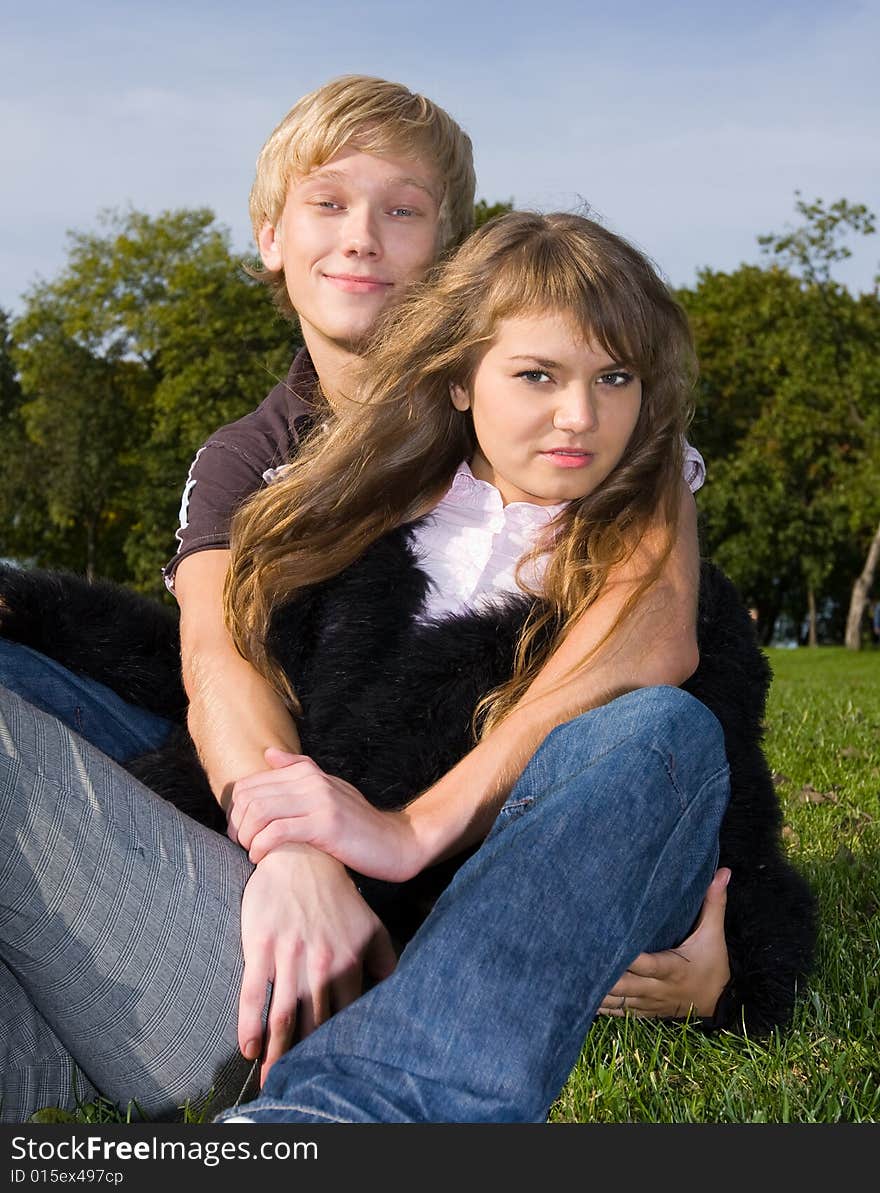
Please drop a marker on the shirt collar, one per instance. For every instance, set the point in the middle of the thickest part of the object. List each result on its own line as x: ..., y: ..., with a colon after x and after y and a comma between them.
x: 469, y: 492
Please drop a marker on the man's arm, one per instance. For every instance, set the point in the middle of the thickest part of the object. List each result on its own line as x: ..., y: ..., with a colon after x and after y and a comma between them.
x: 305, y: 927
x: 234, y: 713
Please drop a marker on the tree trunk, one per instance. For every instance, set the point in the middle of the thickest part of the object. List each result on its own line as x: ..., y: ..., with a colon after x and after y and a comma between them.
x: 813, y: 639
x: 90, y: 550
x: 768, y: 619
x: 859, y: 598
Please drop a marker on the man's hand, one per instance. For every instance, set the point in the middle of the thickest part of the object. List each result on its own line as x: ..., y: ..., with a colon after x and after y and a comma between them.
x: 297, y: 802
x: 307, y: 930
x: 668, y: 985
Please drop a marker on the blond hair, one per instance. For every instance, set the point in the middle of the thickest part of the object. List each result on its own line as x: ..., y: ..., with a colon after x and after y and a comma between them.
x: 385, y: 464
x: 378, y: 117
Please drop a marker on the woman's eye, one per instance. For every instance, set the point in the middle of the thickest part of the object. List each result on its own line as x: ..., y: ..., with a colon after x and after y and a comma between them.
x: 327, y: 204
x: 535, y: 376
x: 617, y: 379
x: 402, y: 211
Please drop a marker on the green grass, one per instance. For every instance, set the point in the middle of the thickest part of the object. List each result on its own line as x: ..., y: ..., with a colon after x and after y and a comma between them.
x: 823, y: 743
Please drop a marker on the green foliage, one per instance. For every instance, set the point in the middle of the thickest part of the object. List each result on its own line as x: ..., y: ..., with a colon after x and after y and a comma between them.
x: 787, y: 413
x: 150, y: 339
x: 10, y: 390
x: 819, y: 242
x: 483, y: 211
x: 29, y: 528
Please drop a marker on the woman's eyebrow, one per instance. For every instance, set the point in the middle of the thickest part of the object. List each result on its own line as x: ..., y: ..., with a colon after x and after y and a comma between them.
x: 537, y: 360
x: 545, y: 363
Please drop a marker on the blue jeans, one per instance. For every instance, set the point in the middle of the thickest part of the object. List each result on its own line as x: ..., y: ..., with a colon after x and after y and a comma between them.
x: 603, y: 850
x: 88, y: 707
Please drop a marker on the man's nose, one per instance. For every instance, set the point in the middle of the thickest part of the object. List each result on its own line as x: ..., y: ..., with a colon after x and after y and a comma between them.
x: 361, y: 232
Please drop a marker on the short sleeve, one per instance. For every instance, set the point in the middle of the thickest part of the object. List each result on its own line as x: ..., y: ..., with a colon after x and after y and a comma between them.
x: 220, y: 478
x: 237, y: 461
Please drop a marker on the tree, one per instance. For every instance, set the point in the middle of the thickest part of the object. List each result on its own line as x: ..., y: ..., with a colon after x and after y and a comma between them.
x: 17, y: 520
x: 811, y: 250
x: 150, y: 338
x: 10, y: 390
x: 485, y: 211
x: 785, y: 409
x: 864, y: 525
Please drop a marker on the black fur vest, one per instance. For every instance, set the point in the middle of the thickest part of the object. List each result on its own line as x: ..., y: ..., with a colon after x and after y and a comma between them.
x: 387, y: 705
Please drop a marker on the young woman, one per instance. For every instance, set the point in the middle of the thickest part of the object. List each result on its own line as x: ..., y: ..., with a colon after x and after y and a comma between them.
x: 429, y: 566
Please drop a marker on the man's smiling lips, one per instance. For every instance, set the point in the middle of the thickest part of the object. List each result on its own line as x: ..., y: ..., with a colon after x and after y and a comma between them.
x: 355, y: 283
x: 568, y: 457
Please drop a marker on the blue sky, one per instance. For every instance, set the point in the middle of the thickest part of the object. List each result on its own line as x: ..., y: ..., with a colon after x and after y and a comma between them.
x: 686, y: 126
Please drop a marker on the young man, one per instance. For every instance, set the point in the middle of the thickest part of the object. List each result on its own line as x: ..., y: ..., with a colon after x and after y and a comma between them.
x: 357, y: 191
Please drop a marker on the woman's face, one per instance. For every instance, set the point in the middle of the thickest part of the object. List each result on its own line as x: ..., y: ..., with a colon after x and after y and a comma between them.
x: 552, y: 412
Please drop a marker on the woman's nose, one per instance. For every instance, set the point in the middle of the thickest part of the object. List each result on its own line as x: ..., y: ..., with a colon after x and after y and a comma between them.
x: 576, y: 410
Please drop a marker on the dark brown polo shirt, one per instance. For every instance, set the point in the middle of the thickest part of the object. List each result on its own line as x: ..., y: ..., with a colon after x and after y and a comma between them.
x: 239, y: 459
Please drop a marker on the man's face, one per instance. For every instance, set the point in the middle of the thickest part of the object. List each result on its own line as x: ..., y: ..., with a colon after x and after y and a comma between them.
x: 353, y: 234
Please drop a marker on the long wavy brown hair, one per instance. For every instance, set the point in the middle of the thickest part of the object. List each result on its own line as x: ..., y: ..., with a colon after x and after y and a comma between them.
x: 388, y: 457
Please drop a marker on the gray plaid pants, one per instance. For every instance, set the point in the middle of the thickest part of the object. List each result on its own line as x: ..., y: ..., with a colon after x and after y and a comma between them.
x: 120, y: 947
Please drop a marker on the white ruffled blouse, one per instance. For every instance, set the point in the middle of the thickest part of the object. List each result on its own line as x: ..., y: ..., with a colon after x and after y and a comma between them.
x: 470, y: 543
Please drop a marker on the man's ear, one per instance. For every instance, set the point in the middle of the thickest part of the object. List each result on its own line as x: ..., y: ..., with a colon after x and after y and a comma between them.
x: 461, y: 399
x: 269, y: 244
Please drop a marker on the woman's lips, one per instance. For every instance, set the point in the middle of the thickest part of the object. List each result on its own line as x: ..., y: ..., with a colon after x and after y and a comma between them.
x: 568, y: 458
x: 352, y: 284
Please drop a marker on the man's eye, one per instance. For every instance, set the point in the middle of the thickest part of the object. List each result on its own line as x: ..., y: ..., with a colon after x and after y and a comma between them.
x: 617, y: 379
x: 535, y: 376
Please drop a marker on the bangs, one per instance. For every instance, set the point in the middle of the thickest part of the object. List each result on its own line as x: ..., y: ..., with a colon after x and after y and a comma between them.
x: 524, y: 263
x: 602, y: 298
x: 391, y: 136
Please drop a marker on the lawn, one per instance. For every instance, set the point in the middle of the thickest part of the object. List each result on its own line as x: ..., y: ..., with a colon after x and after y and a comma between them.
x: 823, y: 743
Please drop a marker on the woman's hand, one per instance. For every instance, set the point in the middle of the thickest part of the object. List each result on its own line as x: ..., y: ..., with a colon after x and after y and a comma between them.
x: 307, y: 930
x: 297, y: 802
x: 668, y: 985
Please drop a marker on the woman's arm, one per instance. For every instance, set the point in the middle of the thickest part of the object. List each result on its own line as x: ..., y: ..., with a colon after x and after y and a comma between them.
x: 656, y: 644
